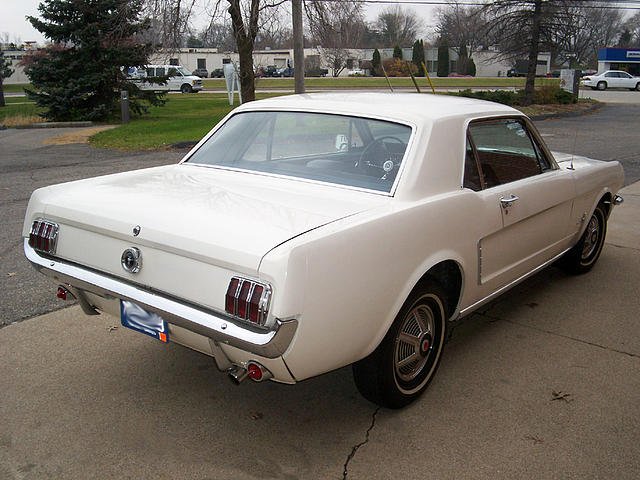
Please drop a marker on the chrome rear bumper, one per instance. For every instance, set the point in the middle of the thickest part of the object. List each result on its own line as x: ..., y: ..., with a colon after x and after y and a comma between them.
x: 270, y: 343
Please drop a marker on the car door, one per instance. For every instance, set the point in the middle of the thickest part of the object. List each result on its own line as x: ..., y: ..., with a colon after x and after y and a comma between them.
x: 175, y: 79
x: 529, y: 197
x: 626, y: 80
x: 613, y: 79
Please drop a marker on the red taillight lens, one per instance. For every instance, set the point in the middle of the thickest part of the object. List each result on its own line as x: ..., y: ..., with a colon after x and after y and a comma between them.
x: 243, y: 299
x: 254, y: 372
x: 230, y: 298
x: 254, y: 303
x: 247, y: 300
x: 43, y: 236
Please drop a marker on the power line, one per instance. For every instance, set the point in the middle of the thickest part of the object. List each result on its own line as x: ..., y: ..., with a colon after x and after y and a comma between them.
x: 595, y: 4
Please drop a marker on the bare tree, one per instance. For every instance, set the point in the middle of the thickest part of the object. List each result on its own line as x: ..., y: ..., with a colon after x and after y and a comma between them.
x: 519, y: 27
x: 248, y: 17
x: 398, y: 26
x: 218, y: 34
x: 462, y: 25
x: 336, y: 27
x: 170, y: 22
x: 583, y: 31
x: 633, y: 25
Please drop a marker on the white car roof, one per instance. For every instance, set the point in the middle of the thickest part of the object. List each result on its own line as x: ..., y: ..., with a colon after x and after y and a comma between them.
x: 419, y: 108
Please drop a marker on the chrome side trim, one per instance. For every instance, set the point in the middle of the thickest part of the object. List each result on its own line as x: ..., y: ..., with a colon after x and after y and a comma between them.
x: 501, y: 290
x: 268, y: 343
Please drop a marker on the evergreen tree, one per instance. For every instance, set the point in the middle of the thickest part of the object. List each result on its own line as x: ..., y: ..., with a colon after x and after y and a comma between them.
x: 443, y: 60
x: 5, y: 72
x: 471, y: 68
x: 80, y: 76
x: 463, y: 60
x: 418, y: 56
x: 397, y: 52
x: 376, y: 61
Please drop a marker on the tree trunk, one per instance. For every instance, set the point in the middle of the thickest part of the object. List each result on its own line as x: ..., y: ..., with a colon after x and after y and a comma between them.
x: 245, y: 39
x: 247, y: 85
x: 1, y: 94
x: 533, y: 54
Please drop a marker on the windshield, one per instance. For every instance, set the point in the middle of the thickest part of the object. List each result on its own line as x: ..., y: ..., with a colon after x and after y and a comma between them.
x: 181, y: 70
x: 357, y: 152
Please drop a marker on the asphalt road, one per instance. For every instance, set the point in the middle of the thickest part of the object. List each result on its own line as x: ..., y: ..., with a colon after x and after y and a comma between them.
x: 543, y: 383
x: 26, y: 164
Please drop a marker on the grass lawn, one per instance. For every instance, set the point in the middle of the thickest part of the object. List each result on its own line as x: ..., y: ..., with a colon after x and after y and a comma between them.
x: 14, y: 87
x: 183, y: 118
x: 364, y: 82
x: 18, y: 111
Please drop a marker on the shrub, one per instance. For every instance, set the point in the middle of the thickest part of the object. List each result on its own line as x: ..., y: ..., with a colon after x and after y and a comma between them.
x: 398, y: 68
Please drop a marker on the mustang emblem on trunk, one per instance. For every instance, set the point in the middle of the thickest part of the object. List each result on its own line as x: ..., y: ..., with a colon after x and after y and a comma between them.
x: 131, y: 260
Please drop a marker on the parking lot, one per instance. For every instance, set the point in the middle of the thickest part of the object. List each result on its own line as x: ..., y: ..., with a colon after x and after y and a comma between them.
x: 542, y: 383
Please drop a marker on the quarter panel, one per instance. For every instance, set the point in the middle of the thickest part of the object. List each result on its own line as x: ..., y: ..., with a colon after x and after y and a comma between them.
x: 358, y: 273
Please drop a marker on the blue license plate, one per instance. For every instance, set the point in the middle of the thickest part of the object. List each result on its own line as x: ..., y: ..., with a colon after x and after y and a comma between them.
x: 137, y: 318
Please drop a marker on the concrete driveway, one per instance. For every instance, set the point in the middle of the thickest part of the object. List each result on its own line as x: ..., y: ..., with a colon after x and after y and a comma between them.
x: 543, y: 383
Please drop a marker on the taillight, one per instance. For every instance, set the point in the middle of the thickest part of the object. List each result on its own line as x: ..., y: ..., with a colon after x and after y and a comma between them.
x: 43, y: 236
x: 247, y: 300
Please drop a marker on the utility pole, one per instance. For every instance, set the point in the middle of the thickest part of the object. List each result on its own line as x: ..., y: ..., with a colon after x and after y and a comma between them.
x: 298, y: 45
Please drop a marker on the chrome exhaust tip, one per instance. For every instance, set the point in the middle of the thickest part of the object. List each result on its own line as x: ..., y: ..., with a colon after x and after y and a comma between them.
x: 237, y: 374
x: 617, y: 199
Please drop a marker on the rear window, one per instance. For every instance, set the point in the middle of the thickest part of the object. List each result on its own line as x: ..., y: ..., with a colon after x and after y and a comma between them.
x: 344, y: 150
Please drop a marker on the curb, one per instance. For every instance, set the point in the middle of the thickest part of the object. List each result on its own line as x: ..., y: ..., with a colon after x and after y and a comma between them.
x: 578, y: 113
x: 189, y: 144
x: 55, y: 125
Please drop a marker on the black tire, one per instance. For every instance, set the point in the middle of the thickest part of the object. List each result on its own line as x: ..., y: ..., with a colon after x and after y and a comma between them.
x: 583, y: 256
x: 602, y: 85
x: 186, y: 88
x: 388, y: 377
x: 638, y: 86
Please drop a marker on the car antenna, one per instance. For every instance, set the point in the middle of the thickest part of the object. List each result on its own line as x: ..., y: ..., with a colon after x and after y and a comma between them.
x: 573, y: 150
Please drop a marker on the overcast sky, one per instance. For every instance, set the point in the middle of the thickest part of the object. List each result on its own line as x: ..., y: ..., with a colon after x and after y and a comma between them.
x: 14, y: 23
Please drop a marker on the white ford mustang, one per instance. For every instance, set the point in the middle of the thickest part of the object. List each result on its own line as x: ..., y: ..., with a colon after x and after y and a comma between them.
x: 305, y: 233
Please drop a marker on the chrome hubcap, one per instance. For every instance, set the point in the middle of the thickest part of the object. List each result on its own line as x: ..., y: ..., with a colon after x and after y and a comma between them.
x: 414, y: 343
x: 592, y: 236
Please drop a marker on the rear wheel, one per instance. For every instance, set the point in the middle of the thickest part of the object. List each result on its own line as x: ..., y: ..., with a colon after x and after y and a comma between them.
x: 406, y: 360
x: 583, y: 256
x: 602, y: 85
x: 638, y: 86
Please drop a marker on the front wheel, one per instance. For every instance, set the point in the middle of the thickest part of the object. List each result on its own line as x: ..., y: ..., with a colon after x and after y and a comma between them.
x: 400, y: 369
x: 186, y: 88
x: 638, y: 86
x: 583, y: 256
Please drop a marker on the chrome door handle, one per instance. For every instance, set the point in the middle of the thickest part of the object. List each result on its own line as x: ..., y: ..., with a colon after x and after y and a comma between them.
x: 506, y: 202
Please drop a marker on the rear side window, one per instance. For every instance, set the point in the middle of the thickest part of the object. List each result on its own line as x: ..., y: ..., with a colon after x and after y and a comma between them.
x: 505, y: 151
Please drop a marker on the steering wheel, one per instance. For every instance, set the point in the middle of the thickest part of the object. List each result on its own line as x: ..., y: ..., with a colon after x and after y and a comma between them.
x: 382, y: 158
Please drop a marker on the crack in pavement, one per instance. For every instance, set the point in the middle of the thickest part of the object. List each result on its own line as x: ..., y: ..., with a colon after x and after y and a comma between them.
x: 624, y: 247
x: 568, y: 337
x: 345, y: 472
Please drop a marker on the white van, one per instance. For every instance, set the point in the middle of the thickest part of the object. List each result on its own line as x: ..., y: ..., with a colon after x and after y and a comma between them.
x: 180, y: 79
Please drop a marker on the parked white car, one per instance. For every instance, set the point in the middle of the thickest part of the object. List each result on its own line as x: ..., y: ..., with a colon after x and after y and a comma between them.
x: 611, y: 79
x: 305, y: 233
x: 180, y: 79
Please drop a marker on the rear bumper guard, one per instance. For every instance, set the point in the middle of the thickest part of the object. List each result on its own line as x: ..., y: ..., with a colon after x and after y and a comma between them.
x: 270, y: 343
